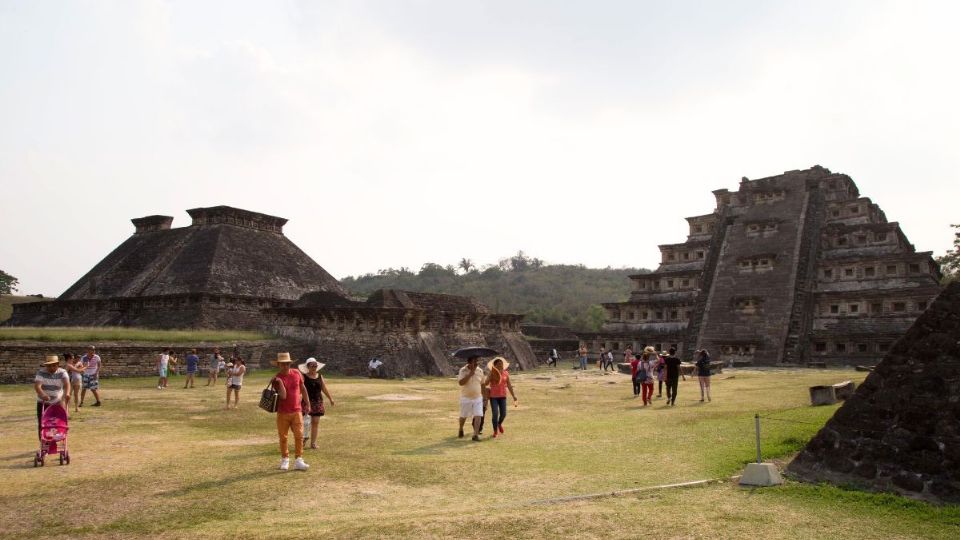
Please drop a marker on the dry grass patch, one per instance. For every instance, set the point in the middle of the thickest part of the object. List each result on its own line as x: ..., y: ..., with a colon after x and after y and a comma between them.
x: 173, y: 463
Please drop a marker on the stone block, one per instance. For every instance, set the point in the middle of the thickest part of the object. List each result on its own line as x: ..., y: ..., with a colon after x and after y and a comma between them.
x: 761, y: 474
x: 822, y: 395
x: 844, y: 390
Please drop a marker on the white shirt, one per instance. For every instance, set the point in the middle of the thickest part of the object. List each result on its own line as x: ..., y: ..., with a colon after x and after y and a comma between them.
x: 164, y: 360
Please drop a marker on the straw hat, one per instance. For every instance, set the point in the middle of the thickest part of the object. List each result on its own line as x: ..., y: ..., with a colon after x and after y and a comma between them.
x: 305, y: 367
x: 649, y: 350
x: 282, y: 358
x: 51, y: 359
x: 505, y: 363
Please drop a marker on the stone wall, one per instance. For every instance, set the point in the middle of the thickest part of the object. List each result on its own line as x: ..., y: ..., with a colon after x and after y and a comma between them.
x: 901, y: 429
x: 410, y: 342
x: 19, y: 361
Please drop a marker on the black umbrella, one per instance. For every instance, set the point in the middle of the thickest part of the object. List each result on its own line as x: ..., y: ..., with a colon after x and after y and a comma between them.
x: 467, y: 353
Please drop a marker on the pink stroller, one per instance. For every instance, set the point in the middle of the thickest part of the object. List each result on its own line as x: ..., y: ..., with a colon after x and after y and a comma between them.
x: 53, y: 435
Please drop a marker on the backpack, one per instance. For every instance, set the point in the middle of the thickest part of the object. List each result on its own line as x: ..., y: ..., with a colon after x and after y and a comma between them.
x: 641, y: 373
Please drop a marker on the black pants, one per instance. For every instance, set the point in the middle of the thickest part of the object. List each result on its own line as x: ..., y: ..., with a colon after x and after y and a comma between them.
x: 672, y: 390
x: 636, y: 386
x: 552, y: 362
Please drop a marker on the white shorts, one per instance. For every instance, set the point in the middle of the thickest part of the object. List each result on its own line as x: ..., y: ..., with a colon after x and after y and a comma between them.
x: 471, y: 407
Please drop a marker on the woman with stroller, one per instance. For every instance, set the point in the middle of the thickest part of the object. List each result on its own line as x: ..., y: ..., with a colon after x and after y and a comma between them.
x: 316, y: 387
x: 703, y: 373
x: 52, y: 385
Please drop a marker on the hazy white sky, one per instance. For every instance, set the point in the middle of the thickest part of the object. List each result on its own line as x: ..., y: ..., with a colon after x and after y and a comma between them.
x: 395, y: 133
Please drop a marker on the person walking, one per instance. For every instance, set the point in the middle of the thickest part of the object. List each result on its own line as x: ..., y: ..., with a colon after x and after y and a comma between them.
x: 163, y: 364
x: 499, y: 382
x: 375, y: 368
x: 52, y: 384
x: 635, y: 374
x: 607, y: 358
x: 235, y: 375
x: 91, y: 374
x: 661, y: 369
x: 583, y: 357
x: 291, y: 402
x: 74, y: 368
x: 703, y: 373
x: 193, y: 365
x: 645, y: 373
x: 672, y: 364
x: 172, y: 367
x: 216, y: 364
x: 553, y: 358
x: 470, y: 381
x: 316, y: 387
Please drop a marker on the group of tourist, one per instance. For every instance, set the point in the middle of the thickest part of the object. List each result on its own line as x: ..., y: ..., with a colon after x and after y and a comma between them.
x: 300, y: 391
x: 664, y: 367
x: 300, y: 402
x: 61, y: 385
x: 477, y: 389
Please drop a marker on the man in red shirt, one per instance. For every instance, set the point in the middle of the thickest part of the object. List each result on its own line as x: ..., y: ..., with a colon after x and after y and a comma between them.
x: 292, y: 400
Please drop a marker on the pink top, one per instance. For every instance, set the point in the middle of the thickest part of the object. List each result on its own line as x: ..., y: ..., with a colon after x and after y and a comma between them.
x: 500, y: 390
x: 291, y: 381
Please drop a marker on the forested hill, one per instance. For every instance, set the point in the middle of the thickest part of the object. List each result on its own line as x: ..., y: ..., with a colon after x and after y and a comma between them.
x: 554, y: 294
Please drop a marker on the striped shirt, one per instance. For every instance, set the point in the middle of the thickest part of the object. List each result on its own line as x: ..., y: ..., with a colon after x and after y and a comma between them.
x: 52, y: 384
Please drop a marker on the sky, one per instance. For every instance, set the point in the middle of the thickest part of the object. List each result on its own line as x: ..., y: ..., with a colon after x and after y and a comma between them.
x: 395, y: 133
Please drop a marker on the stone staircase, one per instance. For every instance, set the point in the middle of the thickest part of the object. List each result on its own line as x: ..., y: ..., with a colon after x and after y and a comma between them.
x: 801, y: 315
x: 706, y: 282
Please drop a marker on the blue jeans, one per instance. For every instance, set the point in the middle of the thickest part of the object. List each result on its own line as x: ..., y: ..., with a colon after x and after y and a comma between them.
x: 583, y: 362
x: 498, y: 406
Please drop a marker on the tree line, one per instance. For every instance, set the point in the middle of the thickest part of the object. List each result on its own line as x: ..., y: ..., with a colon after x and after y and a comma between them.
x: 561, y: 294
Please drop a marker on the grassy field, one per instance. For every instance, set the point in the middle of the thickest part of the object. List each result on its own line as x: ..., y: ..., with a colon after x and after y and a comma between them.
x: 8, y: 300
x: 172, y: 464
x: 101, y: 334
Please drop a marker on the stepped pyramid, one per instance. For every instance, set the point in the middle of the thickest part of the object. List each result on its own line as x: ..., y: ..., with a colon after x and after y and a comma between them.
x: 901, y: 429
x: 218, y: 272
x: 792, y: 268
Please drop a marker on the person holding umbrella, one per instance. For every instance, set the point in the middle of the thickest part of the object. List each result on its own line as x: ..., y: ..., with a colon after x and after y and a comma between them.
x: 470, y: 381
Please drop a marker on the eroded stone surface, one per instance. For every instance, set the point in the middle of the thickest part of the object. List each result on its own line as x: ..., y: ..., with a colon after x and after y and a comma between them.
x: 900, y: 431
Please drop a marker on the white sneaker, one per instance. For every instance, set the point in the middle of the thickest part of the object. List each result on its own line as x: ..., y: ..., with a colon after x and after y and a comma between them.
x: 285, y: 464
x: 300, y: 465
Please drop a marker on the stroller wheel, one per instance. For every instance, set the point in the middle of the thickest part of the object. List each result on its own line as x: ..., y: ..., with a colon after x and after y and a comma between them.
x: 36, y: 461
x: 61, y: 458
x: 66, y: 456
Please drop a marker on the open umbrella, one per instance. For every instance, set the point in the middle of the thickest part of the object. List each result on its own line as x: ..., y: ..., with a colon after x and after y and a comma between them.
x: 466, y: 353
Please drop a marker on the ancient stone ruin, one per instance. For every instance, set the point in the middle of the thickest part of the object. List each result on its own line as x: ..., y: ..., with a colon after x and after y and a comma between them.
x: 793, y: 268
x: 900, y: 431
x: 235, y: 269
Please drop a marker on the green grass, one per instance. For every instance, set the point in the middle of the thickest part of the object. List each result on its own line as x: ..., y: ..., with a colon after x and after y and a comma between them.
x: 7, y: 301
x: 85, y: 334
x: 173, y: 464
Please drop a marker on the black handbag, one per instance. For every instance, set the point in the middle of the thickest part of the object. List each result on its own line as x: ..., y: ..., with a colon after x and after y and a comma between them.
x: 268, y: 398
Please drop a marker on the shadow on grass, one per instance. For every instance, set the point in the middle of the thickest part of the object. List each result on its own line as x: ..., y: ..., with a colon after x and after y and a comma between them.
x: 438, y: 448
x: 222, y: 482
x: 27, y: 462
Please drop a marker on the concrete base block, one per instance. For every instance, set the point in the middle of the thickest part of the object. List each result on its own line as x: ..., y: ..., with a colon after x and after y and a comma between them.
x: 823, y: 395
x: 761, y: 474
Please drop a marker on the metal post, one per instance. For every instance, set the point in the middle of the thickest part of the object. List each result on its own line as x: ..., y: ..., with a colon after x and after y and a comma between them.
x: 756, y: 420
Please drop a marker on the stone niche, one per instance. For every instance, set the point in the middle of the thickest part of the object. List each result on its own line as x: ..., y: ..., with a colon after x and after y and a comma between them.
x: 900, y: 431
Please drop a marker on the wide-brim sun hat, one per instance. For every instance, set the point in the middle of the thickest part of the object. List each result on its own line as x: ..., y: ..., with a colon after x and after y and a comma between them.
x: 506, y: 364
x: 51, y: 359
x: 282, y: 358
x: 305, y: 367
